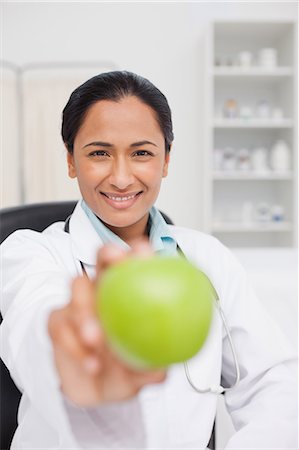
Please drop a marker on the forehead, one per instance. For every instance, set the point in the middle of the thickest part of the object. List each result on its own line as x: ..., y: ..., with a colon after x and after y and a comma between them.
x: 124, y: 116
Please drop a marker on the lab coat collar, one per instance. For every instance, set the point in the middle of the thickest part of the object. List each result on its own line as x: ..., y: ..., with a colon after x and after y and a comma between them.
x: 85, y: 239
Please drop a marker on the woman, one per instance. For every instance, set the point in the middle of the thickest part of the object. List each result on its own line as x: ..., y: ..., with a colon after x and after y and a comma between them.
x: 117, y: 130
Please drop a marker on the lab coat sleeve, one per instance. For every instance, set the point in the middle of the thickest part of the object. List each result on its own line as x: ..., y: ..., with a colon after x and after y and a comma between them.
x: 263, y: 406
x: 34, y: 282
x: 32, y: 286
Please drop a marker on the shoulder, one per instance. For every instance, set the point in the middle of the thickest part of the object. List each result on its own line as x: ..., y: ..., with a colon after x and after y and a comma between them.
x: 31, y: 247
x: 35, y: 238
x: 197, y: 243
x: 211, y: 257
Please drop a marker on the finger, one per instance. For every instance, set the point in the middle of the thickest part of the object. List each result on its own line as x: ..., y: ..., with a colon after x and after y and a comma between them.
x: 66, y: 341
x: 108, y: 255
x: 153, y: 377
x: 82, y: 296
x: 83, y: 312
x: 142, y: 248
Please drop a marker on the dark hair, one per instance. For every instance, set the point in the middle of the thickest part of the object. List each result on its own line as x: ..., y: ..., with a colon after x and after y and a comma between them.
x: 113, y: 86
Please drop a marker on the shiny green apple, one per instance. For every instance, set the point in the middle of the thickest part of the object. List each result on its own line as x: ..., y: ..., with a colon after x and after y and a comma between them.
x: 155, y: 311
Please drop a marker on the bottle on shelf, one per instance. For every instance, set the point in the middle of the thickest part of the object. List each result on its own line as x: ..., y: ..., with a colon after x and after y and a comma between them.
x: 243, y: 159
x: 280, y: 160
x: 230, y: 109
x: 277, y: 213
x: 259, y: 159
x: 267, y: 57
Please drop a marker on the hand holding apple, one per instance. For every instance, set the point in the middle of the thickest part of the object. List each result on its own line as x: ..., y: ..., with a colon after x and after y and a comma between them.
x: 155, y: 311
x: 89, y: 372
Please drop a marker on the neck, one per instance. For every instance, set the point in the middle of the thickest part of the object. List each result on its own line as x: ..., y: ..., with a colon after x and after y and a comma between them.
x: 133, y: 232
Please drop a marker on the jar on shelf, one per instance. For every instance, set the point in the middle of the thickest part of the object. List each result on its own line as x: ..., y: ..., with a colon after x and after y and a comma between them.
x: 280, y: 156
x: 259, y: 159
x: 263, y: 212
x: 229, y: 159
x: 243, y: 159
x: 267, y: 57
x: 230, y: 109
x: 245, y: 58
x: 263, y: 109
x: 277, y: 213
x: 246, y: 112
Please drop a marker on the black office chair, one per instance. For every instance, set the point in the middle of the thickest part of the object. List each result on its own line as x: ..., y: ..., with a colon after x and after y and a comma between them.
x: 36, y: 217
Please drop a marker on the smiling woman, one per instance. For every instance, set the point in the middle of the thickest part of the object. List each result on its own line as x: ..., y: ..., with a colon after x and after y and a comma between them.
x: 77, y: 393
x: 118, y: 147
x: 119, y: 158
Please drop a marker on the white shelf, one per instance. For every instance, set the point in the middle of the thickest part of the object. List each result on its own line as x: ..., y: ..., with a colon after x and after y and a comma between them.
x: 242, y: 72
x: 228, y: 193
x: 247, y: 176
x: 256, y: 227
x: 253, y: 123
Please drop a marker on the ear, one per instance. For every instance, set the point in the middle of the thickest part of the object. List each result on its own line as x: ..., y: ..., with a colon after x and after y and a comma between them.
x: 166, y: 163
x: 71, y: 165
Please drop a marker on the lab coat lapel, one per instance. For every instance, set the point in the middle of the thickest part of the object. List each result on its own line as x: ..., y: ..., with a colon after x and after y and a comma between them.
x: 85, y: 240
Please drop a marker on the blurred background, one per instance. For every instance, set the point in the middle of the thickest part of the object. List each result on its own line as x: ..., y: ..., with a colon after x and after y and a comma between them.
x: 229, y: 71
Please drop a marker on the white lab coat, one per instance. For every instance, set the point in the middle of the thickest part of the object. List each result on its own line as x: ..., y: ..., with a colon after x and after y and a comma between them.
x: 37, y: 270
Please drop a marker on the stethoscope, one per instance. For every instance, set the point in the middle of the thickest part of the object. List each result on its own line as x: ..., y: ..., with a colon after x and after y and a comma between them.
x: 200, y: 390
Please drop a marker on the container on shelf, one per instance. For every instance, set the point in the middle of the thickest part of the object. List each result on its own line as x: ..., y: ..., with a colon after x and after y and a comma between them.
x: 280, y: 158
x: 277, y: 213
x: 229, y: 160
x: 259, y: 159
x: 245, y: 59
x: 267, y: 57
x: 263, y: 109
x: 230, y: 109
x: 246, y: 112
x: 243, y: 159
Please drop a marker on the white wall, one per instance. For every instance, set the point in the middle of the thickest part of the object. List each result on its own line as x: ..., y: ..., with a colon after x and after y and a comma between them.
x: 163, y: 41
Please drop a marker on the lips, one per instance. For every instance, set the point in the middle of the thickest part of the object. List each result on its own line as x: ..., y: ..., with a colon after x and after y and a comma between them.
x: 120, y: 198
x: 121, y: 201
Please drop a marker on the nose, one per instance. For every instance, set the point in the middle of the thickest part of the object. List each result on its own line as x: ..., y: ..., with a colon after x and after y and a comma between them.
x: 121, y: 175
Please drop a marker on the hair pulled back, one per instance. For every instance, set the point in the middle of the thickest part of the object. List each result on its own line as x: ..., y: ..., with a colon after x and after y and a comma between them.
x: 114, y: 86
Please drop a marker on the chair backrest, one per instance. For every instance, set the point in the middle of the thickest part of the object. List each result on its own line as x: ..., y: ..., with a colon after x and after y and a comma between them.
x: 35, y: 217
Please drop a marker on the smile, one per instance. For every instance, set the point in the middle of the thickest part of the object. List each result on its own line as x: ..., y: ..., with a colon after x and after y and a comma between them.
x: 119, y: 198
x: 121, y: 201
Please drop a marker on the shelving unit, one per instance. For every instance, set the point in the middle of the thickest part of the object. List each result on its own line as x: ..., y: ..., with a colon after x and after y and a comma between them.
x: 236, y: 175
x: 253, y: 123
x: 234, y: 195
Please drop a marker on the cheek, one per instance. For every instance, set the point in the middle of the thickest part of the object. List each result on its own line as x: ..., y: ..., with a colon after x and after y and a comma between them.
x: 89, y: 173
x: 152, y: 173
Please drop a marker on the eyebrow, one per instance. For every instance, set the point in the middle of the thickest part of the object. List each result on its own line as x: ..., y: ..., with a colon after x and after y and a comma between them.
x: 107, y: 144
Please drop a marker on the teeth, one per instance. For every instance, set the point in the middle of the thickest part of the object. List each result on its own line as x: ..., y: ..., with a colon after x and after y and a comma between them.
x: 121, y: 199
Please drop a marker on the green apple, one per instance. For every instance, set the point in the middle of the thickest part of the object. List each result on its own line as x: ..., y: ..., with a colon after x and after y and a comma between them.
x: 155, y: 311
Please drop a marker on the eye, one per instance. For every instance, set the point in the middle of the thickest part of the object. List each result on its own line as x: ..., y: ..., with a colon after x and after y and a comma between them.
x: 142, y: 153
x: 99, y: 153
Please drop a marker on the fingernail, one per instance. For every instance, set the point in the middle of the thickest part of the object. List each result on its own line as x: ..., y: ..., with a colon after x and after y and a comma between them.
x: 142, y: 248
x: 113, y: 250
x: 90, y: 330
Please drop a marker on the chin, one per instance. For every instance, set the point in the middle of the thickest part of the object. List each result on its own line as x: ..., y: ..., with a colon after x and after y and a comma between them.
x: 124, y: 219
